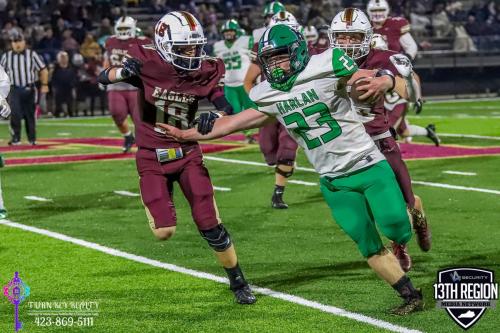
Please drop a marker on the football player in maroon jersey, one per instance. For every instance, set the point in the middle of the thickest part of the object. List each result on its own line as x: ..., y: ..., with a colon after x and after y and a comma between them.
x: 172, y: 76
x: 122, y: 96
x: 351, y: 30
x: 394, y: 30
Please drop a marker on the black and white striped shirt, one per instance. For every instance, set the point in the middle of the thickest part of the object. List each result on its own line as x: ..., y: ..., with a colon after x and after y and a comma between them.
x: 22, y: 67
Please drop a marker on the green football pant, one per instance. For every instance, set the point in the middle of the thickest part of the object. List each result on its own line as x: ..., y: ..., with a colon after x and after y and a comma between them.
x: 363, y: 198
x: 238, y: 98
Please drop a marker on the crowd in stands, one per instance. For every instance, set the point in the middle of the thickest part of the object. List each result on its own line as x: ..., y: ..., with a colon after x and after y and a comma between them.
x: 80, y: 28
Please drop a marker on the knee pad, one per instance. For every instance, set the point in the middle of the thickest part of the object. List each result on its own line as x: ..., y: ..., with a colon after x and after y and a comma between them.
x: 218, y: 238
x: 286, y: 174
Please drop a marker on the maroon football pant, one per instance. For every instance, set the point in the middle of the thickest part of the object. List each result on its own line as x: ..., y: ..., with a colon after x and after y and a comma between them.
x: 156, y: 183
x: 390, y: 149
x: 123, y: 103
x: 397, y: 118
x: 277, y: 145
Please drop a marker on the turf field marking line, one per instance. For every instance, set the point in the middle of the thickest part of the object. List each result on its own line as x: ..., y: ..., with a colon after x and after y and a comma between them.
x: 470, y: 136
x: 461, y: 173
x: 301, y: 182
x: 207, y: 276
x: 35, y: 198
x: 456, y: 187
x: 448, y: 186
x: 222, y: 189
x: 127, y: 193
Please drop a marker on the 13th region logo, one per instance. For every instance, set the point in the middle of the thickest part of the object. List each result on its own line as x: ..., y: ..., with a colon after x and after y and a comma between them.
x: 465, y: 293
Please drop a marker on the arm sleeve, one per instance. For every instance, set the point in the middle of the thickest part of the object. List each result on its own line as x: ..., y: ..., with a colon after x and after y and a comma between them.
x: 4, y: 83
x: 409, y: 45
x: 342, y: 64
x: 37, y: 60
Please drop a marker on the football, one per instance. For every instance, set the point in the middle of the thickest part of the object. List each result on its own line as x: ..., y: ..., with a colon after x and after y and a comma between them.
x: 355, y: 92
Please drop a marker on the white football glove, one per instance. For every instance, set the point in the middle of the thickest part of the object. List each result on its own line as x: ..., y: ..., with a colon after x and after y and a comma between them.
x: 402, y: 64
x: 4, y: 108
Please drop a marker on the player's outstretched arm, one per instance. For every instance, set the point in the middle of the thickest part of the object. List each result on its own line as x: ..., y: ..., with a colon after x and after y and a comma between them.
x: 130, y: 67
x: 247, y: 119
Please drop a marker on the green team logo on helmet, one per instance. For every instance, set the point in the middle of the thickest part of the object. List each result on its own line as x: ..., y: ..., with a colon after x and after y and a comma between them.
x: 273, y: 8
x: 231, y: 25
x: 278, y: 45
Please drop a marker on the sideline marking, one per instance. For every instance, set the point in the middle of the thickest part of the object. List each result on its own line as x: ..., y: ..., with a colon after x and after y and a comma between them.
x: 207, y: 276
x: 470, y: 136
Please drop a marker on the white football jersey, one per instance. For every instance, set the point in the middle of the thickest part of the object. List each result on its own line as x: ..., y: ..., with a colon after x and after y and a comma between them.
x: 318, y: 114
x: 236, y: 59
x: 257, y: 33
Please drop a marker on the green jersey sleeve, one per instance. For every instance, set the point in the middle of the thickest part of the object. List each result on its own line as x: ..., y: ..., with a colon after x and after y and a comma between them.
x: 342, y: 64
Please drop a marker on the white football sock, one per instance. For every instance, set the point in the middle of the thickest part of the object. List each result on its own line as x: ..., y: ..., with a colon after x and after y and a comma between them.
x: 417, y: 130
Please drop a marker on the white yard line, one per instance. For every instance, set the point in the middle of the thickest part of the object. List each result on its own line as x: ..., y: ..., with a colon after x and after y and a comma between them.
x: 74, y: 124
x: 222, y: 189
x: 455, y: 116
x: 456, y: 187
x: 470, y: 136
x: 64, y: 134
x: 127, y: 193
x: 461, y: 100
x: 448, y: 186
x: 35, y: 198
x: 207, y: 276
x: 301, y: 182
x: 461, y: 173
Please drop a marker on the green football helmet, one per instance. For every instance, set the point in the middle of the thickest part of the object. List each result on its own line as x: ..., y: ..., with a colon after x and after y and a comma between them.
x: 272, y: 8
x: 275, y: 43
x: 231, y: 25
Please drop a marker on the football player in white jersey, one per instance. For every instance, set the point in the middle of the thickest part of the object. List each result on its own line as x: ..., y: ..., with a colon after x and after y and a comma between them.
x: 235, y: 51
x: 308, y: 95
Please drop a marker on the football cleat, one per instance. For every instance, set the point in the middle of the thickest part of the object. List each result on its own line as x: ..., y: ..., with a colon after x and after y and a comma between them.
x: 128, y: 143
x: 401, y: 253
x: 277, y: 201
x: 14, y: 143
x: 422, y: 230
x: 244, y: 295
x: 3, y: 214
x: 431, y: 134
x: 411, y: 304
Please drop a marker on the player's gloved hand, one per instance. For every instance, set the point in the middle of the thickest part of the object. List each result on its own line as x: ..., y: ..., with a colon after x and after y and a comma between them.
x: 206, y: 121
x: 131, y: 67
x: 418, y: 106
x: 4, y: 108
x: 402, y: 64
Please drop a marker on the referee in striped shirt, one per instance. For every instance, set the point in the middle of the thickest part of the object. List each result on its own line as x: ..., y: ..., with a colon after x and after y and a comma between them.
x: 22, y: 65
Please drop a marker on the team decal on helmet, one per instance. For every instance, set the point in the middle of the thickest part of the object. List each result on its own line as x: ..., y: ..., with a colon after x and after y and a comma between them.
x: 125, y: 27
x: 351, y: 20
x: 173, y: 33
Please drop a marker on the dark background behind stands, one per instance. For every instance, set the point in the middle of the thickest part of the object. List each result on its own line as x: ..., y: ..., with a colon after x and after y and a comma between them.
x: 459, y: 41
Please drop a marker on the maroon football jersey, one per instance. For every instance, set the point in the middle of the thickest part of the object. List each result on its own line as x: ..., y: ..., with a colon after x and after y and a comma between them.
x: 170, y: 96
x: 378, y: 59
x: 392, y: 30
x: 116, y: 49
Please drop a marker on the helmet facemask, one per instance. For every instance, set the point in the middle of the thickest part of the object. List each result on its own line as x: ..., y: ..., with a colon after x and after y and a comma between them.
x: 124, y: 32
x: 356, y: 50
x: 378, y: 15
x: 230, y: 35
x: 280, y: 64
x: 185, y: 55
